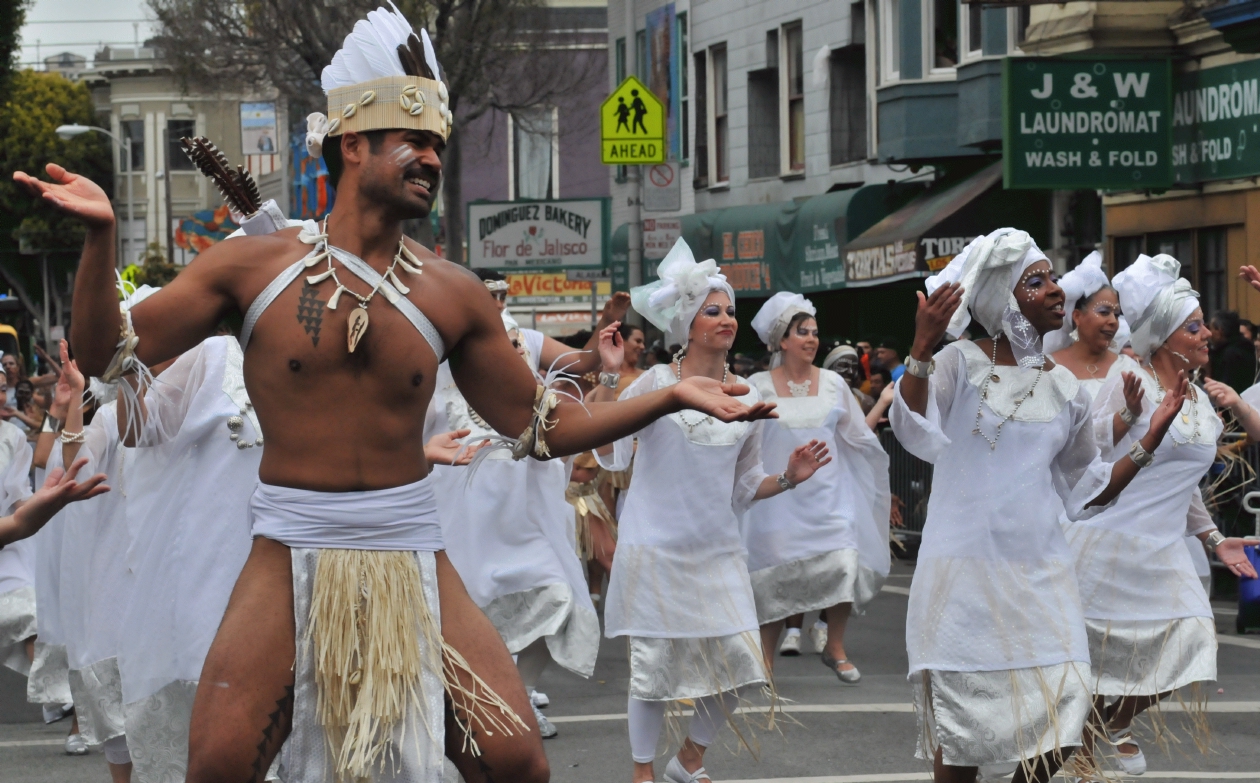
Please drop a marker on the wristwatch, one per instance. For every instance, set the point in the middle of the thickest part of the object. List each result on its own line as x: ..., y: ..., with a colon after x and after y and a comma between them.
x: 1140, y: 456
x: 1214, y: 540
x: 920, y: 369
x: 784, y: 481
x: 610, y: 379
x: 1128, y: 416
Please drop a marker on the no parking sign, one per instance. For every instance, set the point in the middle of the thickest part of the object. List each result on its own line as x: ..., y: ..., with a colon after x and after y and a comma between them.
x: 661, y: 187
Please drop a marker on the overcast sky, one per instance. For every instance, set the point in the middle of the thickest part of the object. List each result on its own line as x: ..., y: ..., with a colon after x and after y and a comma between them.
x: 82, y: 26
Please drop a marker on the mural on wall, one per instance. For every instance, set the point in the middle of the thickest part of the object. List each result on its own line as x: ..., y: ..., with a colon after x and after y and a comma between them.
x: 200, y: 230
x: 312, y: 195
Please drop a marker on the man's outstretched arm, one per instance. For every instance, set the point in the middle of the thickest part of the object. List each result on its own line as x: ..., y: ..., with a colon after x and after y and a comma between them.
x: 168, y: 323
x: 501, y: 388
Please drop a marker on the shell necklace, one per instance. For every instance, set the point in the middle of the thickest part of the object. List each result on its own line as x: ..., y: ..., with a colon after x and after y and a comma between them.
x: 798, y: 389
x: 691, y: 426
x: 991, y: 375
x: 357, y: 324
x: 1186, y: 418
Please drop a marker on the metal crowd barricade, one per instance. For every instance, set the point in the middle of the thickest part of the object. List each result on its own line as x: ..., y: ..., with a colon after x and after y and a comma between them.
x: 911, y: 481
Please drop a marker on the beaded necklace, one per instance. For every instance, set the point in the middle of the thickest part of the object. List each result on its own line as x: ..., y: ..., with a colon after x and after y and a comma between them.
x: 991, y: 375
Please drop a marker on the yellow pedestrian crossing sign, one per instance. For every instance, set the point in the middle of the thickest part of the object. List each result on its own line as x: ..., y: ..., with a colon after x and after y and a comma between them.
x: 632, y: 125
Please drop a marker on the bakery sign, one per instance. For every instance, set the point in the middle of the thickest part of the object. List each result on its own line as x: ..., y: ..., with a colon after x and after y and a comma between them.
x: 538, y: 235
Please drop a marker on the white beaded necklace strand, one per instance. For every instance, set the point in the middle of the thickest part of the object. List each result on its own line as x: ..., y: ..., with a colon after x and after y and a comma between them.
x: 678, y: 374
x: 984, y: 394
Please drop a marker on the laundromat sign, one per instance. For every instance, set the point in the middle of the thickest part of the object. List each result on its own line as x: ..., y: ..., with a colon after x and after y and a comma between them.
x: 538, y: 235
x: 1087, y: 124
x: 1216, y: 123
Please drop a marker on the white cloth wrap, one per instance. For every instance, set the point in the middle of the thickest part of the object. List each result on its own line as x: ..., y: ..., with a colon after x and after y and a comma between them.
x: 17, y: 624
x: 680, y: 569
x: 844, y: 506
x: 509, y: 533
x: 771, y: 321
x: 17, y: 560
x: 988, y: 268
x: 1087, y: 279
x: 995, y: 587
x: 1155, y: 300
x: 671, y: 303
x: 1149, y: 657
x: 400, y: 519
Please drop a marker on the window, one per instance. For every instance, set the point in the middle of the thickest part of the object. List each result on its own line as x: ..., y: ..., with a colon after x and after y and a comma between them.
x: 1210, y: 271
x: 892, y: 40
x: 763, y: 123
x: 975, y: 30
x: 640, y: 53
x: 620, y: 60
x: 684, y: 91
x: 134, y: 130
x: 721, y: 138
x: 792, y: 70
x: 176, y: 158
x: 700, y: 174
x: 533, y: 155
x: 944, y: 34
x: 847, y: 104
x: 1021, y: 17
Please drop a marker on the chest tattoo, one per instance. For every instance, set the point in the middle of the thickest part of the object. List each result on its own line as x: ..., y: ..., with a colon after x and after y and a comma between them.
x: 310, y: 313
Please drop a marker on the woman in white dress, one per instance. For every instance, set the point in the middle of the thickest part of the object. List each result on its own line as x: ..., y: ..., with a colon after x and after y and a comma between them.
x: 679, y: 588
x: 994, y: 631
x: 824, y: 546
x: 509, y: 533
x: 1150, y: 626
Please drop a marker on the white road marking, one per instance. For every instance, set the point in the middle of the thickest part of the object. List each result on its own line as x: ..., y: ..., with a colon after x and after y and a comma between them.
x: 1225, y: 612
x: 31, y: 743
x: 1238, y: 641
x: 895, y: 589
x: 898, y: 777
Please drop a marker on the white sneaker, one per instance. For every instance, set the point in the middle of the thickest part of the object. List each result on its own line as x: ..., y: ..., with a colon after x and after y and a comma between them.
x: 1130, y: 764
x: 539, y: 700
x: 674, y: 773
x: 75, y: 745
x: 545, y: 728
x: 791, y: 645
x: 818, y: 638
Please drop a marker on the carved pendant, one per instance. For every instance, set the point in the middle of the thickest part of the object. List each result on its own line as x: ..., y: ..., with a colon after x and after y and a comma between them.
x: 357, y: 325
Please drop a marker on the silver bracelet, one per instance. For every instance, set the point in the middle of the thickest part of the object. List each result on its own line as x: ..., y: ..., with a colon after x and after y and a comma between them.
x: 1140, y: 456
x: 920, y: 369
x: 784, y: 481
x: 1213, y: 540
x: 72, y: 437
x: 1128, y: 417
x: 610, y: 379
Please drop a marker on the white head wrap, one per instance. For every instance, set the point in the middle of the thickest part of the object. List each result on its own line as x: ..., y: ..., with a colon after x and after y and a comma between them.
x: 989, y: 268
x: 1087, y: 279
x: 836, y: 354
x: 772, y: 320
x: 509, y: 322
x: 1155, y: 300
x: 671, y: 303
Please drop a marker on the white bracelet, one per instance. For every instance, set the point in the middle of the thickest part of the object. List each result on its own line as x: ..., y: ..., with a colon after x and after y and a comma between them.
x: 72, y: 437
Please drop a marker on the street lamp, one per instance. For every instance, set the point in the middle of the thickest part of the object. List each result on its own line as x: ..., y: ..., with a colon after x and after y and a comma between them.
x: 69, y: 132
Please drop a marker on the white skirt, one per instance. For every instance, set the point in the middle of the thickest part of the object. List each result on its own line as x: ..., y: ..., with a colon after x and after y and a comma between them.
x: 17, y: 624
x: 97, y: 692
x: 1147, y: 657
x: 670, y: 669
x: 49, y: 682
x: 548, y: 612
x: 812, y: 583
x: 1000, y: 717
x: 157, y: 732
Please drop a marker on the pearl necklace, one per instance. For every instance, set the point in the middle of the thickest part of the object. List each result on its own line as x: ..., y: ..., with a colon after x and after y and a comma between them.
x: 984, y: 394
x: 691, y: 426
x: 798, y: 389
x: 1186, y: 418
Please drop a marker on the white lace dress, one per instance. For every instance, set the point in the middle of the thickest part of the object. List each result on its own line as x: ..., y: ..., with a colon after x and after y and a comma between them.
x: 825, y: 542
x: 994, y: 629
x: 509, y: 533
x: 17, y: 560
x: 1151, y: 627
x: 679, y: 586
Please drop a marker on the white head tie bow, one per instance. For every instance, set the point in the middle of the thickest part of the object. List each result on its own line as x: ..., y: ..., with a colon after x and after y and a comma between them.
x: 671, y: 303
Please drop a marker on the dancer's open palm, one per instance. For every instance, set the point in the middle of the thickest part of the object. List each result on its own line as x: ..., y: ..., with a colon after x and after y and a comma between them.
x: 806, y: 460
x: 612, y: 351
x: 719, y: 400
x: 73, y: 194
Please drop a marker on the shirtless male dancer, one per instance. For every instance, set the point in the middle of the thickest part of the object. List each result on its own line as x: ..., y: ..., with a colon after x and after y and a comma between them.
x: 342, y: 424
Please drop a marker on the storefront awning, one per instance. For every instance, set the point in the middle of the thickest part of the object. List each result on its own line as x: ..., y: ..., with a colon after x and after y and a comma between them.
x: 921, y: 237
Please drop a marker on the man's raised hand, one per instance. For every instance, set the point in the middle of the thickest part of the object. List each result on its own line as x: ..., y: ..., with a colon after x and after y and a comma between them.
x: 73, y: 194
x: 1251, y: 275
x: 719, y: 400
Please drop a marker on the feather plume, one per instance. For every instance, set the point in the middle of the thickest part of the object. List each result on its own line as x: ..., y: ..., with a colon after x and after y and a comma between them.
x: 430, y: 55
x: 239, y: 190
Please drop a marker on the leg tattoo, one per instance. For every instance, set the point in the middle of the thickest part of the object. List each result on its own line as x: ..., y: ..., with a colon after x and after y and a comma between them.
x: 272, y: 734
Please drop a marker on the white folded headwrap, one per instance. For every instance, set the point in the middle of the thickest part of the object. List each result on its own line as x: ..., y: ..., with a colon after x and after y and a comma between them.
x: 772, y: 320
x: 836, y: 354
x: 1087, y: 279
x: 989, y: 268
x: 1155, y: 300
x: 671, y: 303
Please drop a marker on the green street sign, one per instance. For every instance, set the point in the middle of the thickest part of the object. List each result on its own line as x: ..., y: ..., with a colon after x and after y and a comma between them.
x: 1086, y: 124
x: 1216, y: 123
x: 632, y: 125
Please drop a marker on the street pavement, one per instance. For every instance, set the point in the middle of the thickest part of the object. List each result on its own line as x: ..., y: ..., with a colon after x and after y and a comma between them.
x: 832, y: 733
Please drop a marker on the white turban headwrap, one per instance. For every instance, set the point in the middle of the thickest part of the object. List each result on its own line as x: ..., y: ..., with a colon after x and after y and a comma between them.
x: 1087, y: 279
x: 836, y: 354
x: 772, y: 320
x: 671, y: 303
x: 1155, y: 300
x: 989, y: 268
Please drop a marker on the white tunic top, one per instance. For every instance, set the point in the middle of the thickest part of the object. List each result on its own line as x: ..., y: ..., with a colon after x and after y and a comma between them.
x: 680, y: 570
x: 188, y: 496
x: 995, y: 586
x: 1132, y: 563
x: 17, y: 560
x: 843, y: 506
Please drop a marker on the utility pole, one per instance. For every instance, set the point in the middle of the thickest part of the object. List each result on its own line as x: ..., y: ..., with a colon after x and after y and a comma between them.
x: 634, y: 237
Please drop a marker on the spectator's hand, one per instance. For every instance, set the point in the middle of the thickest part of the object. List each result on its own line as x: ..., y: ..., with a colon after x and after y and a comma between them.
x: 805, y: 460
x: 896, y: 514
x: 932, y: 318
x: 1221, y: 394
x: 1133, y: 393
x: 445, y: 448
x: 52, y: 363
x: 612, y: 352
x: 1231, y: 553
x: 1251, y: 275
x: 886, y: 396
x: 615, y: 308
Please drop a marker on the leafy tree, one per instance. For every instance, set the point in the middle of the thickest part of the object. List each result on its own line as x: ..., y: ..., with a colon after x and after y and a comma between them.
x: 34, y: 106
x: 153, y: 268
x: 12, y: 17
